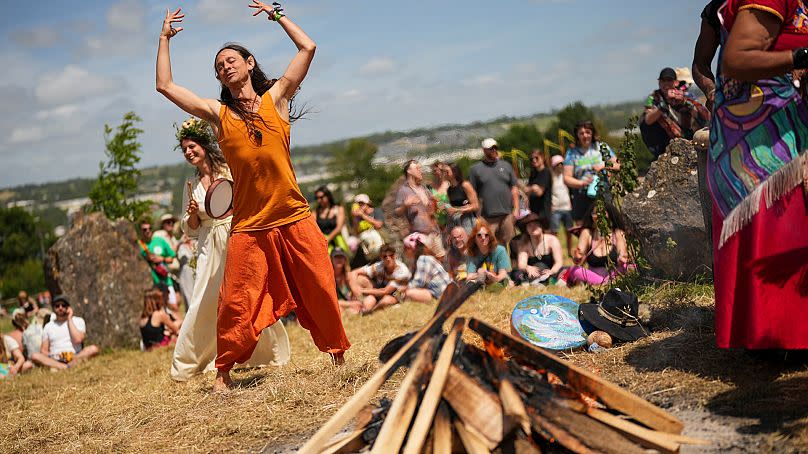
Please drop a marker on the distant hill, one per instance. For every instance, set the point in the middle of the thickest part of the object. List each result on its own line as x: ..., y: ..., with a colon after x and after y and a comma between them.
x: 309, y: 160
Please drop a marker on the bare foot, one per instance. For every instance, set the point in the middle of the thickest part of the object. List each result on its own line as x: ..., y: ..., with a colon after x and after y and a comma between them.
x: 223, y: 383
x: 337, y: 359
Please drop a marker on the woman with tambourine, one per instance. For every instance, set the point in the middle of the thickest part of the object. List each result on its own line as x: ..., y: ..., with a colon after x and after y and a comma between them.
x: 195, y: 350
x: 277, y: 260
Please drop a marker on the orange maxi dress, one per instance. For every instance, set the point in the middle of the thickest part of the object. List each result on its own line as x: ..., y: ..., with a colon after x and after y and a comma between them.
x: 277, y: 259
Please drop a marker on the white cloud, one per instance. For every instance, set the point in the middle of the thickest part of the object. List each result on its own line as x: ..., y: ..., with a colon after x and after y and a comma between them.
x: 74, y: 83
x: 36, y: 37
x: 58, y: 112
x: 26, y: 134
x: 127, y: 16
x: 482, y: 80
x: 126, y: 32
x: 377, y: 67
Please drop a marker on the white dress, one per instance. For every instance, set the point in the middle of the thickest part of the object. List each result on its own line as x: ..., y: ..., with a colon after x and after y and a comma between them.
x: 195, y: 351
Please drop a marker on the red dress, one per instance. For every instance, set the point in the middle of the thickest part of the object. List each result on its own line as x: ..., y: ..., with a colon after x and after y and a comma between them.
x: 761, y: 271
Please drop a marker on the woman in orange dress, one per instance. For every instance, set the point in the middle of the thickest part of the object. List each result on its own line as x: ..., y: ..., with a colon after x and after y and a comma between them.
x: 277, y: 259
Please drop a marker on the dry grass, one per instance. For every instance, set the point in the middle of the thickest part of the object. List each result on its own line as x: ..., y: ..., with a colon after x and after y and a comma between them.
x: 125, y: 401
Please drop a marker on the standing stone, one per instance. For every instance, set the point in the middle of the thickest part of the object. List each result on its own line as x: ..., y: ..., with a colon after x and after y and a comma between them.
x: 665, y: 213
x: 97, y: 265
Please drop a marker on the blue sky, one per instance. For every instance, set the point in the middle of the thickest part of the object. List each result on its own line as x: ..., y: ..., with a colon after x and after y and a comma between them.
x: 68, y: 70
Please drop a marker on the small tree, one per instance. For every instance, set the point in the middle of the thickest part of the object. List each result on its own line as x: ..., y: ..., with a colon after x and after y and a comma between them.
x: 113, y: 193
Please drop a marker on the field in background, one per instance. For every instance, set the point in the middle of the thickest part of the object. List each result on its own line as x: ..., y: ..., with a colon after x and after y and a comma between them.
x: 125, y: 401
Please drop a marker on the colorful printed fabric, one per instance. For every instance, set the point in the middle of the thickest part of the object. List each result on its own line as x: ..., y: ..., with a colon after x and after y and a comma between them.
x: 757, y: 135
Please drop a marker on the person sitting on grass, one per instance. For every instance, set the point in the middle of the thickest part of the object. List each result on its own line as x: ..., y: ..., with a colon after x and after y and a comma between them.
x: 488, y: 261
x: 597, y: 251
x: 35, y: 331
x: 429, y: 279
x: 379, y: 284
x: 157, y: 327
x: 456, y: 258
x: 12, y: 362
x: 538, y: 252
x: 342, y: 278
x: 20, y: 321
x: 63, y: 339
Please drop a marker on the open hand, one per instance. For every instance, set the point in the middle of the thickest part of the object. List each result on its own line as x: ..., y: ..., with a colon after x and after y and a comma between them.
x: 69, y: 311
x: 271, y: 10
x: 171, y: 18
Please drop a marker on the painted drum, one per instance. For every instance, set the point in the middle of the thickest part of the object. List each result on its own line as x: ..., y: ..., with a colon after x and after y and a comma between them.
x: 219, y: 199
x: 548, y: 321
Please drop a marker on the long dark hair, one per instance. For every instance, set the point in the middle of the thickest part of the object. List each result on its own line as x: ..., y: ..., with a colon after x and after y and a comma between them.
x: 328, y: 195
x: 260, y: 83
x: 457, y: 172
x: 615, y: 218
x: 214, y: 156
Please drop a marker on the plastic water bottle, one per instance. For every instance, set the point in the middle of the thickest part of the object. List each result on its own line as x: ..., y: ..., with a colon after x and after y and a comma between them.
x: 596, y: 348
x: 592, y: 190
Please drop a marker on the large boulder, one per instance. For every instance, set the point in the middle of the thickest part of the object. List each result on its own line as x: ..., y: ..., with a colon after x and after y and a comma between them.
x: 665, y: 214
x: 97, y: 265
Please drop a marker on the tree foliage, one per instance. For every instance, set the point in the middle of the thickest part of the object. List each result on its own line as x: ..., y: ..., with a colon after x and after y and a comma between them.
x: 23, y: 240
x: 352, y: 166
x: 114, y: 191
x: 525, y: 137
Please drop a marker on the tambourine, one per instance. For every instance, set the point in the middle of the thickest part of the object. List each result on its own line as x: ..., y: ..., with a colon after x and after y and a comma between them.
x: 219, y: 199
x: 548, y: 321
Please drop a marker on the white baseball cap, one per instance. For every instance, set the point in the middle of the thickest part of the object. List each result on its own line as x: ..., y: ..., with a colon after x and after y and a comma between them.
x: 362, y: 198
x: 489, y: 143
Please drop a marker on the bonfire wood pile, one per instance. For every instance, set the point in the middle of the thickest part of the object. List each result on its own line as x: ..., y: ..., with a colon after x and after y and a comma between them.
x: 509, y: 397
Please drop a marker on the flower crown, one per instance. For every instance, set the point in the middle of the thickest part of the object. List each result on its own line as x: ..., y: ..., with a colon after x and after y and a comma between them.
x: 197, y: 130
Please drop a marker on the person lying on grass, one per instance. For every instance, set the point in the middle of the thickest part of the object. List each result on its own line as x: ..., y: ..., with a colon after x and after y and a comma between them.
x: 379, y: 284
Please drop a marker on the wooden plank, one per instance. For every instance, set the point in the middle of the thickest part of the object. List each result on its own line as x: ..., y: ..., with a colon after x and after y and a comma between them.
x: 398, y: 418
x: 476, y: 406
x: 582, y: 380
x: 442, y: 431
x: 431, y: 399
x: 512, y: 405
x: 645, y: 437
x: 352, y: 442
x: 471, y: 442
x: 349, y: 409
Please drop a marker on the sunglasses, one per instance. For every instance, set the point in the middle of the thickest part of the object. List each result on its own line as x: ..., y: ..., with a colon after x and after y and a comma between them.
x: 169, y: 222
x: 145, y: 229
x: 483, y: 235
x: 60, y: 304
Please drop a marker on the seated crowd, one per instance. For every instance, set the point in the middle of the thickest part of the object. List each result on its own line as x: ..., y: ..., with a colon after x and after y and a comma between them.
x: 41, y: 337
x: 491, y: 227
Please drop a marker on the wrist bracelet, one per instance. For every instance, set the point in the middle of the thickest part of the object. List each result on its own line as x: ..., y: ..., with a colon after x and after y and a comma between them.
x: 277, y: 16
x: 800, y: 57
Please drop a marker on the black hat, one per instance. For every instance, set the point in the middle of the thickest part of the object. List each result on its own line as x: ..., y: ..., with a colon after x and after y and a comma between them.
x: 61, y: 298
x: 522, y: 222
x: 617, y: 314
x: 667, y: 73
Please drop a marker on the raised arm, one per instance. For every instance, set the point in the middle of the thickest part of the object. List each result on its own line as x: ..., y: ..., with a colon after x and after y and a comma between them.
x: 287, y: 85
x: 206, y: 109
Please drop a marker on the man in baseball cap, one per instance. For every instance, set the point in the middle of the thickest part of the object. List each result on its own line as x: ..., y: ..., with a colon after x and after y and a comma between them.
x: 495, y: 183
x: 669, y: 114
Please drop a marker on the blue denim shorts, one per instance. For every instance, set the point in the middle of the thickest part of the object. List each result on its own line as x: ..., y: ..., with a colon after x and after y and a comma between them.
x: 558, y: 217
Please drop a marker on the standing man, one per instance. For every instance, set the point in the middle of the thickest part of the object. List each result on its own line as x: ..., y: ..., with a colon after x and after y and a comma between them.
x: 63, y: 339
x: 414, y: 201
x: 495, y: 183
